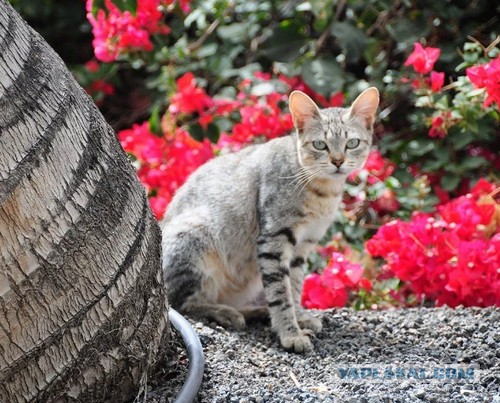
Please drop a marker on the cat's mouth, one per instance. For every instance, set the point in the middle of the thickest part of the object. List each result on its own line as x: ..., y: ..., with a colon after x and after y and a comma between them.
x: 339, y: 172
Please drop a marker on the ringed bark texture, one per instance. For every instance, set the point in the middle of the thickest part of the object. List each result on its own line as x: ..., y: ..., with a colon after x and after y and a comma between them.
x: 82, y: 302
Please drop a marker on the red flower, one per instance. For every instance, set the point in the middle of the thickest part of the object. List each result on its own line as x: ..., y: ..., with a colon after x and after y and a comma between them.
x: 365, y: 284
x: 296, y: 83
x: 482, y: 187
x: 335, y: 100
x: 189, y: 98
x: 386, y: 203
x: 101, y: 85
x: 442, y: 195
x: 378, y: 168
x: 316, y: 295
x: 423, y: 59
x: 437, y: 81
x: 487, y: 76
x: 164, y: 164
x: 92, y: 66
x: 330, y: 289
x: 260, y: 117
x: 439, y: 125
x: 448, y: 257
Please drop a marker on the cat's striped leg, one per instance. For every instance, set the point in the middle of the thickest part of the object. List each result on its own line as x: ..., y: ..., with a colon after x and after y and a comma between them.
x: 304, y: 318
x: 275, y: 272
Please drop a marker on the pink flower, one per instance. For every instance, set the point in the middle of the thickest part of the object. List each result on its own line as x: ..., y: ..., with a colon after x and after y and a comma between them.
x: 117, y: 32
x: 423, y: 59
x: 437, y: 81
x: 487, y: 76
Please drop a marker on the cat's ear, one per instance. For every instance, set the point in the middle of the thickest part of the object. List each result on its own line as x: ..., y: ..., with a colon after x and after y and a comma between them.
x: 302, y: 108
x: 365, y: 106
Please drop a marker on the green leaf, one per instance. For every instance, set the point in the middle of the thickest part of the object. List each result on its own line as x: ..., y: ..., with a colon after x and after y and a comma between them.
x: 392, y: 183
x: 391, y: 283
x: 155, y: 122
x: 450, y: 181
x: 126, y: 5
x: 434, y: 165
x: 262, y: 89
x: 469, y: 163
x: 213, y: 133
x: 207, y: 50
x: 419, y: 147
x: 234, y: 33
x: 351, y: 39
x: 471, y: 119
x: 462, y: 139
x: 97, y: 5
x: 196, y: 132
x: 323, y: 75
x: 404, y: 30
x: 224, y: 124
x: 285, y: 42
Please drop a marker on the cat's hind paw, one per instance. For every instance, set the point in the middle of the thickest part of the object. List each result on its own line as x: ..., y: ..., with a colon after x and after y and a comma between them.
x: 298, y: 344
x: 230, y: 319
x: 310, y: 322
x: 226, y: 316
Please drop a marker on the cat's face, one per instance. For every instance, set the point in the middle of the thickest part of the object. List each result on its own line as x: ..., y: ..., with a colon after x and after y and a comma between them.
x: 334, y: 142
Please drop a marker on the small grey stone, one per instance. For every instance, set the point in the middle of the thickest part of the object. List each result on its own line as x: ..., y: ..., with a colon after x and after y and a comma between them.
x: 419, y: 393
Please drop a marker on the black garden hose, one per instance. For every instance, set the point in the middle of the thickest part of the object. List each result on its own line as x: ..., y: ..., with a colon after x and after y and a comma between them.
x: 196, y: 359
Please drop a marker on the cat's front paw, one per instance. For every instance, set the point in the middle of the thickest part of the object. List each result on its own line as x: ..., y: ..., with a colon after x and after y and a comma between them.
x: 306, y: 321
x: 300, y: 343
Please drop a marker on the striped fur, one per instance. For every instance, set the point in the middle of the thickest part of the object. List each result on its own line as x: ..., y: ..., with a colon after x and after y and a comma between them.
x: 238, y: 233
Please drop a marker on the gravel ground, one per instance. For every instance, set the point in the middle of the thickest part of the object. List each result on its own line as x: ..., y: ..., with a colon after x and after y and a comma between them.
x: 402, y: 345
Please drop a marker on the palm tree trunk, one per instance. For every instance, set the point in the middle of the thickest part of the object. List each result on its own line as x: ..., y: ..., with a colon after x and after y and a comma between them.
x: 82, y: 302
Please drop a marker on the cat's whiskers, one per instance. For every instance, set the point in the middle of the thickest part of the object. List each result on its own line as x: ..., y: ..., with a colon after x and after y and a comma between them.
x: 305, y: 180
x: 303, y: 171
x: 310, y: 179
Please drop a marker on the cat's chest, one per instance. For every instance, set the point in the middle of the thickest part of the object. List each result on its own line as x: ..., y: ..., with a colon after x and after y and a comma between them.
x: 318, y: 214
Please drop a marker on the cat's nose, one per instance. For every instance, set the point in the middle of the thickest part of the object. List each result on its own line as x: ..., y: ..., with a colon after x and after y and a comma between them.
x: 337, y: 162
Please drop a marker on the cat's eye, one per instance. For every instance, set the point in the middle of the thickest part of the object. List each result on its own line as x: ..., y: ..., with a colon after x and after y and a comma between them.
x: 319, y: 145
x: 352, y: 143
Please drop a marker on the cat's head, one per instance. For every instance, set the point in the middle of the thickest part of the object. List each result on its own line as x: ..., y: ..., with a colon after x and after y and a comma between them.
x: 334, y: 142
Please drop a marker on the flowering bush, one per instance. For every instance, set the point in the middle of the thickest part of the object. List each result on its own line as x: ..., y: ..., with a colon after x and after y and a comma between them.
x: 118, y: 31
x: 165, y: 159
x: 182, y: 81
x: 451, y: 256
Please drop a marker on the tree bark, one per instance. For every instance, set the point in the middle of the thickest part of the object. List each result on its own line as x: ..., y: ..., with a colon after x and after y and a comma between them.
x: 82, y: 302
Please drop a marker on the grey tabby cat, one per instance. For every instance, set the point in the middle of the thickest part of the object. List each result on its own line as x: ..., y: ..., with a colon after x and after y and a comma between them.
x: 241, y: 227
